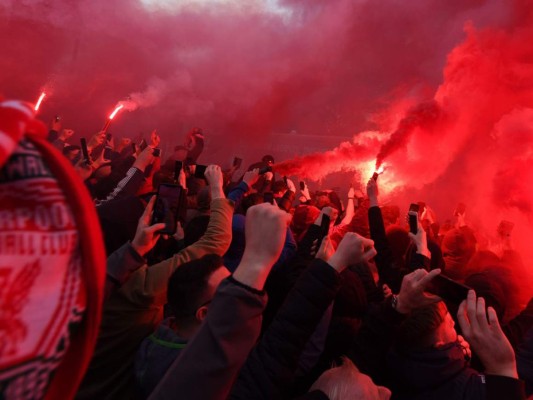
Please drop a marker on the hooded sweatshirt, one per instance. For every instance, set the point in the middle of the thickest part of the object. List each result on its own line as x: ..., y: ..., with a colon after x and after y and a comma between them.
x: 155, y: 356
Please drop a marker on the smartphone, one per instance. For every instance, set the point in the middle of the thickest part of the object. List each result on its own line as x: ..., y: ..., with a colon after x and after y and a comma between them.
x: 134, y: 147
x: 57, y: 118
x: 108, y: 137
x: 178, y: 166
x: 264, y: 170
x: 302, y: 185
x: 199, y: 171
x: 167, y: 206
x: 108, y: 153
x: 285, y: 180
x: 143, y: 145
x: 157, y: 153
x: 85, y: 151
x: 237, y: 162
x: 448, y: 289
x: 268, y: 197
x: 505, y: 228
x: 375, y: 176
x: 460, y: 209
x: 413, y: 218
x: 324, y: 226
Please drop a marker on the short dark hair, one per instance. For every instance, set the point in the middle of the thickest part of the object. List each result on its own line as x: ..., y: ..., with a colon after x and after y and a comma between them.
x: 279, y: 186
x: 187, y: 286
x: 417, y: 331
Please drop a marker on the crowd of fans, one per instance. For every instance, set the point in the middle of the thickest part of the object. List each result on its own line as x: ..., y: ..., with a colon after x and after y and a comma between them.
x: 262, y: 291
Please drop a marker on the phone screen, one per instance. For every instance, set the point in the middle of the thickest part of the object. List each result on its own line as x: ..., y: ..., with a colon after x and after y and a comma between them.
x: 178, y: 165
x: 199, y: 171
x: 448, y: 289
x: 413, y: 218
x: 167, y: 205
x: 324, y: 226
x: 237, y: 162
x: 108, y: 152
x: 85, y: 151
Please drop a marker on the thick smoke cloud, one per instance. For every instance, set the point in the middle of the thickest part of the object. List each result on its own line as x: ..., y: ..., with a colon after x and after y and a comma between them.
x: 447, y: 109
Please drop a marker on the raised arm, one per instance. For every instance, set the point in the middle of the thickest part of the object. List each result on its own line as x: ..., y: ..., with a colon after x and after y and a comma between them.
x: 209, y: 365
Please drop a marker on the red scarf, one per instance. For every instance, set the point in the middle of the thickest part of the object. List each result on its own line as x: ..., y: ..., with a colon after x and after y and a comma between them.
x: 17, y: 121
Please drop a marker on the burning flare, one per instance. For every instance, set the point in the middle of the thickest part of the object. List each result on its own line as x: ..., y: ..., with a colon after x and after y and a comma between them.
x: 116, y: 110
x: 111, y: 116
x: 38, y: 104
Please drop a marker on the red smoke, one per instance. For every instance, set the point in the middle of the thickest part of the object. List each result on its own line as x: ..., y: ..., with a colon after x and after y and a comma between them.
x: 325, y: 67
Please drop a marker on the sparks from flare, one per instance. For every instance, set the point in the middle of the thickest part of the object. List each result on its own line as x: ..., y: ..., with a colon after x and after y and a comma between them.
x: 38, y: 104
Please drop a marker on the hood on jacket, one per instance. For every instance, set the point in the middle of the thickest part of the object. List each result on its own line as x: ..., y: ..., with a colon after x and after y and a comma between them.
x: 440, y: 373
x: 155, y: 356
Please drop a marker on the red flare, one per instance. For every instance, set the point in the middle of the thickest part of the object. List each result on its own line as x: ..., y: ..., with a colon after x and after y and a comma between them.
x: 38, y: 104
x: 116, y: 110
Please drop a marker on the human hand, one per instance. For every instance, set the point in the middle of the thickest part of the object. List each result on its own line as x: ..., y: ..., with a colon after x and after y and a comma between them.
x: 420, y: 240
x: 352, y: 249
x: 290, y: 185
x: 486, y: 336
x: 83, y: 170
x: 215, y: 180
x: 182, y: 179
x: 386, y: 290
x: 66, y: 134
x: 146, y: 236
x: 461, y: 220
x: 372, y: 192
x: 251, y: 177
x: 100, y: 161
x: 56, y: 124
x: 123, y: 143
x: 180, y: 233
x: 96, y: 140
x: 265, y: 231
x: 144, y: 159
x: 326, y: 249
x: 305, y: 192
x: 269, y: 175
x: 154, y: 139
x: 412, y: 291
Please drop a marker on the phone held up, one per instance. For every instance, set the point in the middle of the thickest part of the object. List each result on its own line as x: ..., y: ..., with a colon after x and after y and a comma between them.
x: 170, y: 201
x: 413, y: 218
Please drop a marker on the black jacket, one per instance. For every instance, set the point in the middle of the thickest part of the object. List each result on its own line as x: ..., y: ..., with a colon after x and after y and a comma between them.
x: 270, y: 368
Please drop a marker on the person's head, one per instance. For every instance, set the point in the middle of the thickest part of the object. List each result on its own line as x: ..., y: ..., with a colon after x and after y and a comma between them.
x: 426, y: 327
x: 391, y: 215
x: 180, y: 153
x: 268, y: 159
x: 345, y: 382
x: 191, y: 288
x: 279, y: 188
x: 251, y: 200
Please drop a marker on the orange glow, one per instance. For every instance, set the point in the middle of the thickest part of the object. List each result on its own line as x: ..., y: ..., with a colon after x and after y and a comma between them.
x: 41, y: 98
x: 116, y: 110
